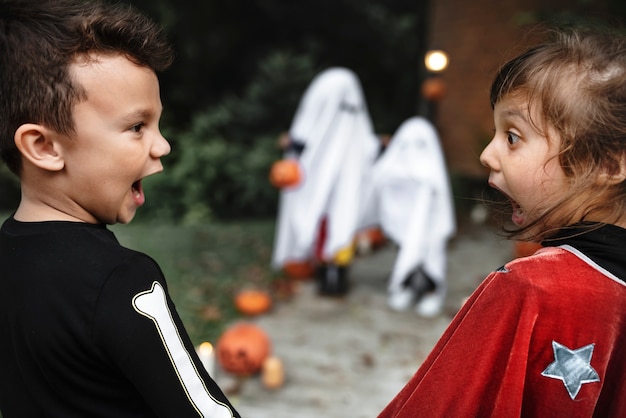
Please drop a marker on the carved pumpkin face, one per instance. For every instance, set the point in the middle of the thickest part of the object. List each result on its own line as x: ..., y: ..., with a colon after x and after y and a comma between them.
x: 285, y: 173
x: 242, y: 349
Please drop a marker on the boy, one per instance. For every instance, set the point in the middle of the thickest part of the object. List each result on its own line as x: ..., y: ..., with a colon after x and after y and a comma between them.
x: 87, y: 327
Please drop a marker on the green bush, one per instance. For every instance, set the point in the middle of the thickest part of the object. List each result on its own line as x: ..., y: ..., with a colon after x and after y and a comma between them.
x: 219, y: 167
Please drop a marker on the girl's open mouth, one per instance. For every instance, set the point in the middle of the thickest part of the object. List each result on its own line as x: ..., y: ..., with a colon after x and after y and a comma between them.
x: 518, y: 217
x: 518, y: 213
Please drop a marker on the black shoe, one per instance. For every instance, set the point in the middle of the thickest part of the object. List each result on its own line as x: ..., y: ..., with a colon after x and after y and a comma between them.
x: 332, y: 280
x: 421, y: 283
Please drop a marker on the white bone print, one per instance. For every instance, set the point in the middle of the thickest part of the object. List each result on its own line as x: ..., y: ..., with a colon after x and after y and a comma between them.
x: 153, y: 304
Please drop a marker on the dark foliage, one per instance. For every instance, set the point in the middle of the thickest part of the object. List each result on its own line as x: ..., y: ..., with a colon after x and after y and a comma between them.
x: 240, y: 70
x: 220, y: 44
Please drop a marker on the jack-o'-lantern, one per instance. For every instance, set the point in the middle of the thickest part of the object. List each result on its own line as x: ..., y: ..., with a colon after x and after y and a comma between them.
x: 299, y: 269
x: 285, y: 173
x: 253, y: 301
x: 242, y: 349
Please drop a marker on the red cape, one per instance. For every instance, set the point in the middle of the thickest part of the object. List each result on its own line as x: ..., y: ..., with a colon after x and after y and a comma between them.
x: 543, y: 337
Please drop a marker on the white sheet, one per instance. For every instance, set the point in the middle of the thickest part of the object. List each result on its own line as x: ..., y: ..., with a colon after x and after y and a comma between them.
x: 333, y: 122
x: 409, y: 196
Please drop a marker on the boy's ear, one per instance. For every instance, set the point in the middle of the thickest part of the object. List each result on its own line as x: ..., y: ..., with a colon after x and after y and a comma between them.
x: 38, y: 145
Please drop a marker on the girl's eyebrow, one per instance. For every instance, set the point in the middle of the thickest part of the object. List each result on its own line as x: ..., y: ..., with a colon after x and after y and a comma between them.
x: 514, y: 112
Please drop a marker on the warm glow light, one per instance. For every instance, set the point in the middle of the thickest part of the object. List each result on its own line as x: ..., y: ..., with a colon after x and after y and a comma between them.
x: 205, y: 349
x: 436, y: 60
x: 207, y: 357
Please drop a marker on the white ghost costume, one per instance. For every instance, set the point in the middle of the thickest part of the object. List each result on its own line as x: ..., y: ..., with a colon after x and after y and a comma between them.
x: 333, y: 124
x: 409, y: 196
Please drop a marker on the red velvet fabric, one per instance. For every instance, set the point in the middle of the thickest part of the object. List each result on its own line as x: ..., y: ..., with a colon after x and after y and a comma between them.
x: 489, y: 362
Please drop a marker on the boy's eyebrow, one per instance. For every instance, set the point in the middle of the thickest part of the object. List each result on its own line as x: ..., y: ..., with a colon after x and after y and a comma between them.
x: 142, y: 114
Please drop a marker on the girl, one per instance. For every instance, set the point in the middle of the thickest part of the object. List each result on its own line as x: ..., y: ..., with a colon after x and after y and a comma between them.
x: 545, y: 335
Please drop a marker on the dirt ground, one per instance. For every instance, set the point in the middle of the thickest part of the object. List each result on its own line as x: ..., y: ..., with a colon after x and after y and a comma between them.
x: 348, y: 357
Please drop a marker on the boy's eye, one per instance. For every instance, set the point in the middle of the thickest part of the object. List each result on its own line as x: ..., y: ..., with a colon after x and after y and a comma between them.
x: 512, y: 138
x: 137, y: 128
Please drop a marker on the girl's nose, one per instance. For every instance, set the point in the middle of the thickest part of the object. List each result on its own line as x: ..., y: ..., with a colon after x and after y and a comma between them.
x: 487, y: 157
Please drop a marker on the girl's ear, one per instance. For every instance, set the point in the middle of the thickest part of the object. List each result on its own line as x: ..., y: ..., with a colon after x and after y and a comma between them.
x: 616, y: 177
x: 39, y: 146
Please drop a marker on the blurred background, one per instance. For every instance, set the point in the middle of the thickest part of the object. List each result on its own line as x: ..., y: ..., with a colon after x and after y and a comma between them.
x: 242, y: 66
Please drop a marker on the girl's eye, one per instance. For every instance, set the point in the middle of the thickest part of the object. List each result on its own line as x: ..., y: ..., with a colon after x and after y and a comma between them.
x: 512, y: 138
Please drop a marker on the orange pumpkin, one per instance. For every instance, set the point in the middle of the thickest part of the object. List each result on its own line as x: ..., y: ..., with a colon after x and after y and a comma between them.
x: 253, y: 302
x: 376, y: 237
x: 434, y: 88
x: 242, y: 349
x: 299, y: 269
x: 525, y: 248
x: 285, y: 173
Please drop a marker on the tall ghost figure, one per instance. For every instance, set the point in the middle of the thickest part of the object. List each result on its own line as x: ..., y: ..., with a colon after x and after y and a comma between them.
x: 332, y: 139
x: 409, y: 196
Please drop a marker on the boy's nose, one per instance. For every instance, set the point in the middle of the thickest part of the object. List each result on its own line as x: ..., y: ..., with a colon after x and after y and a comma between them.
x: 161, y: 147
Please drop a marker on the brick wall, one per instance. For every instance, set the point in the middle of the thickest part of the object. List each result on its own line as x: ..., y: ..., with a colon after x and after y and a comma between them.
x: 478, y: 35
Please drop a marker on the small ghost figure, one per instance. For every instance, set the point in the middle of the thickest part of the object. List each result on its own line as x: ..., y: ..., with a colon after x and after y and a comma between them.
x: 333, y: 142
x: 409, y: 196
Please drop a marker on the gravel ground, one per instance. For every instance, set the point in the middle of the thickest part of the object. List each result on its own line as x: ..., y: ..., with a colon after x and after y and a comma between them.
x: 350, y: 356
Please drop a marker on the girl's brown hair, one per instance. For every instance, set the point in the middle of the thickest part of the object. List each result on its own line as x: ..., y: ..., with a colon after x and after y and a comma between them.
x: 576, y: 82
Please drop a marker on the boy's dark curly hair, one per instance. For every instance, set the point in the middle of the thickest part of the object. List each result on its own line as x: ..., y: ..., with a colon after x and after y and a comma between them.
x: 39, y: 39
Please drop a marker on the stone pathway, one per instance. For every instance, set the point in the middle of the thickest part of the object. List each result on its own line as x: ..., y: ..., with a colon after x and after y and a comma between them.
x: 348, y: 357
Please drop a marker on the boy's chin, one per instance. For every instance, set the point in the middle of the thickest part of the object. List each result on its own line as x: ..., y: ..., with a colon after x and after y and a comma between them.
x: 124, y: 218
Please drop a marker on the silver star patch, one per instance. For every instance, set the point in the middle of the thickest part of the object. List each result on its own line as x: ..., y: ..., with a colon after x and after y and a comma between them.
x: 573, y: 367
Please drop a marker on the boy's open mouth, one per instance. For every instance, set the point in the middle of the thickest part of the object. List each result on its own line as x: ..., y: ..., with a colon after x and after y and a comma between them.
x: 137, y: 192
